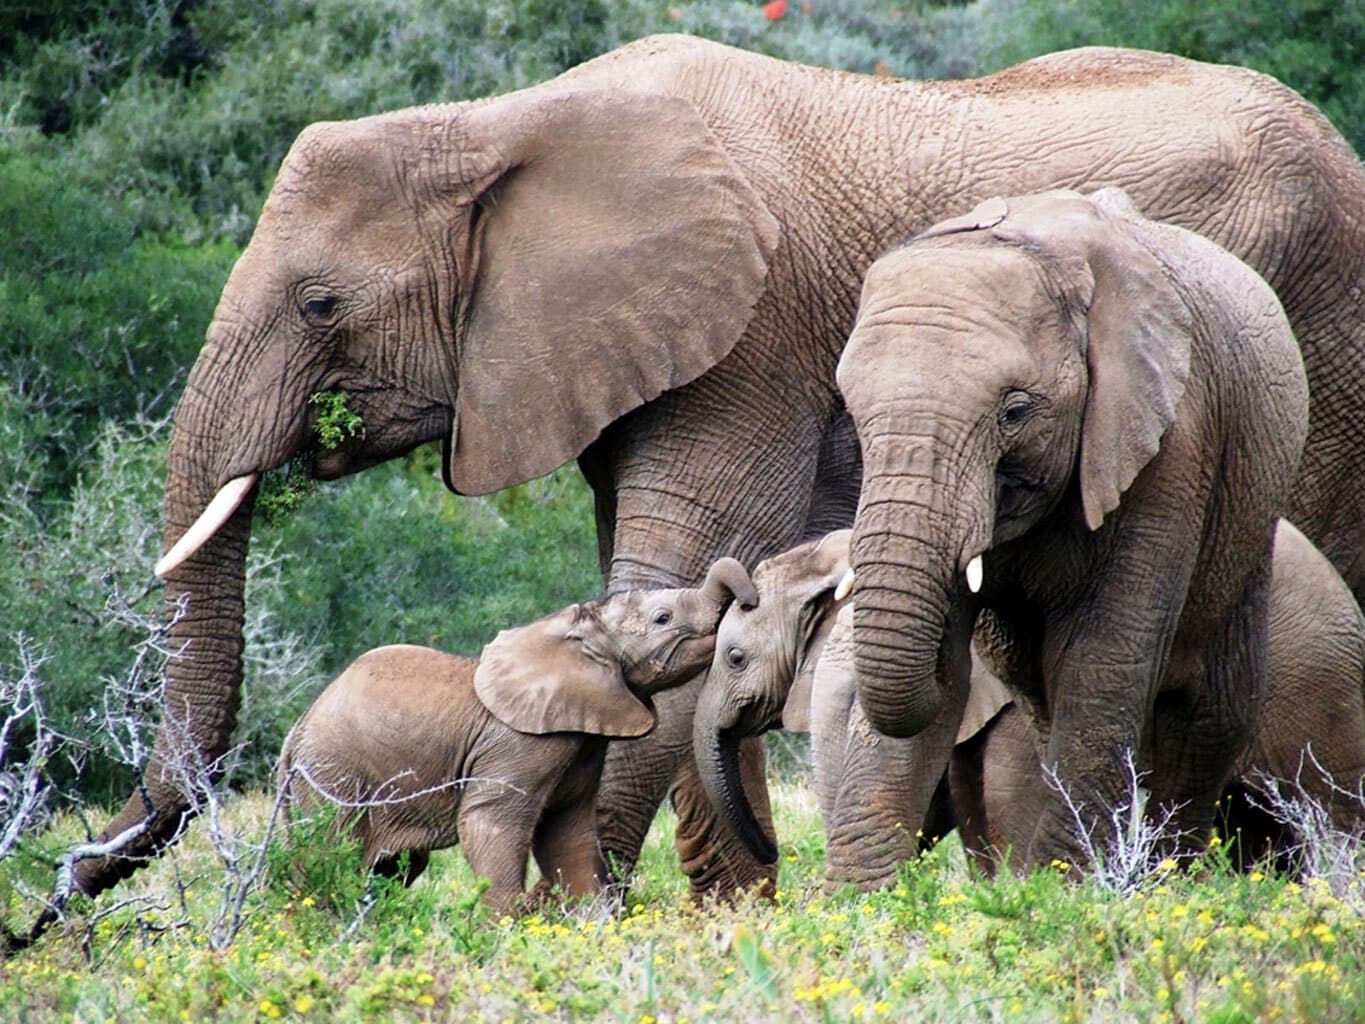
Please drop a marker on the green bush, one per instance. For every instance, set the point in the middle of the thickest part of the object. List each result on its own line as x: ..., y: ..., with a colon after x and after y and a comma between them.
x: 96, y: 323
x: 394, y: 558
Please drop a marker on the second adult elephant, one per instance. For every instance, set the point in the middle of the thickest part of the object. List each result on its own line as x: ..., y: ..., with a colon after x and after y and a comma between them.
x: 651, y: 263
x: 1126, y: 411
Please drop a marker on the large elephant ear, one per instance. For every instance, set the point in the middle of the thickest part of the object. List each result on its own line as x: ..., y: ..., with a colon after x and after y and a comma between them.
x: 550, y: 676
x: 1138, y: 328
x: 619, y: 253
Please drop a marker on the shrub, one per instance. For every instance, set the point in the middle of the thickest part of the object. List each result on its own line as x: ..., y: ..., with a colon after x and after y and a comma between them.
x: 95, y: 322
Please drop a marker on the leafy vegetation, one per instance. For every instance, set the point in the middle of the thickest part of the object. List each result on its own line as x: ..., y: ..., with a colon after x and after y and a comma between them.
x: 1200, y: 944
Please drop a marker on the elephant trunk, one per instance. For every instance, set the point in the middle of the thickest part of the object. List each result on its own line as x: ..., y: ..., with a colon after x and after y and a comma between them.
x: 910, y: 559
x: 204, y: 601
x: 727, y: 579
x: 715, y: 742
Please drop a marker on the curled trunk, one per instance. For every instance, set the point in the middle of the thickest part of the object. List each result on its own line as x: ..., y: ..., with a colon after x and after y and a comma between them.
x: 900, y: 615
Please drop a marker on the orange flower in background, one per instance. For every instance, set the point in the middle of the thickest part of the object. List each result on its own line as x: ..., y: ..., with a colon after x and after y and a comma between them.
x: 776, y: 10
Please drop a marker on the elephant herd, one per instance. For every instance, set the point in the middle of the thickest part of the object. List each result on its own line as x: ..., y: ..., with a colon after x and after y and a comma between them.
x: 1006, y: 389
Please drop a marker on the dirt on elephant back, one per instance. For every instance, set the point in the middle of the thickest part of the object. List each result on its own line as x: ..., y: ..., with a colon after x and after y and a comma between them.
x: 1094, y: 66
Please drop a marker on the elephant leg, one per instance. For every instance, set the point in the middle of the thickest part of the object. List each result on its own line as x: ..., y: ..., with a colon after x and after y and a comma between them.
x: 1202, y: 727
x: 994, y: 777
x: 496, y: 840
x: 966, y: 782
x: 714, y: 859
x: 566, y: 849
x: 682, y: 498
x: 884, y: 798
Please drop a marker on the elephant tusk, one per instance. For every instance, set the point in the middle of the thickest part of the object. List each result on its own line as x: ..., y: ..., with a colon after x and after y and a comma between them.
x: 219, y: 511
x: 845, y: 586
x: 974, y: 573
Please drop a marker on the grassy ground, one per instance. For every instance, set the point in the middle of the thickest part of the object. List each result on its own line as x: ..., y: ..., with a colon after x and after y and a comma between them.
x: 1205, y: 945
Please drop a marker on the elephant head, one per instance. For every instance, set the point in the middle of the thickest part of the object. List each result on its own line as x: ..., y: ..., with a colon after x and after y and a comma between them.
x: 1034, y: 349
x: 458, y: 273
x: 592, y: 667
x: 760, y: 676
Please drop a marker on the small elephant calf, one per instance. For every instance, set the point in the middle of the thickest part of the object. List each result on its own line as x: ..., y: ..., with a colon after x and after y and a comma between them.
x: 502, y: 754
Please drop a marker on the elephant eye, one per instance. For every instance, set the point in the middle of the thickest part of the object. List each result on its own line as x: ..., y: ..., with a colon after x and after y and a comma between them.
x: 1015, y: 410
x: 736, y: 658
x: 318, y: 309
x: 661, y: 617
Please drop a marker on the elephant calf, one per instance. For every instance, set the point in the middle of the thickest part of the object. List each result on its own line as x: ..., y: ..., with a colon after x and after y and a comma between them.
x: 789, y: 657
x: 501, y: 754
x: 787, y: 660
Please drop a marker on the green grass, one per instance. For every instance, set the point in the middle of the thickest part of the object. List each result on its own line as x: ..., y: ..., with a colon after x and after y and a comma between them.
x: 1203, y: 945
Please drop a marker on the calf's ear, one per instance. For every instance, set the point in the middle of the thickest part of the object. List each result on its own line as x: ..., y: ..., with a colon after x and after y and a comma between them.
x: 544, y: 678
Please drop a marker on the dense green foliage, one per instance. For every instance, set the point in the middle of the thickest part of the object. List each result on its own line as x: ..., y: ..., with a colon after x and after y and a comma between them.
x: 137, y: 141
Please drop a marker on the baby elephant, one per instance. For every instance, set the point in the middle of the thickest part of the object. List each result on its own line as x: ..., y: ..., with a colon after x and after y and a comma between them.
x: 1312, y: 722
x: 502, y: 754
x: 786, y: 660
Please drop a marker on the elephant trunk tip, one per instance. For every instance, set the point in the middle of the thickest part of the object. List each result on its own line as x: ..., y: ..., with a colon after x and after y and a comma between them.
x: 726, y: 579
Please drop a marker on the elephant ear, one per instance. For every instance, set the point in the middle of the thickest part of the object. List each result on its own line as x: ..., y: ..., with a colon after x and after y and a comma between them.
x: 809, y: 574
x: 1138, y: 356
x: 554, y: 675
x: 1138, y: 329
x: 986, y: 698
x: 618, y: 252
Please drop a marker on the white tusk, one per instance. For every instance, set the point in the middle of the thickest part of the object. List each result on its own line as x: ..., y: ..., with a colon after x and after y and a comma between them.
x: 219, y: 511
x: 845, y: 586
x: 974, y: 573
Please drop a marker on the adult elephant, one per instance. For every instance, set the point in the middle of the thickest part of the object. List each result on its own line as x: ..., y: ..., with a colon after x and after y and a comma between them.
x: 652, y: 262
x: 1126, y: 416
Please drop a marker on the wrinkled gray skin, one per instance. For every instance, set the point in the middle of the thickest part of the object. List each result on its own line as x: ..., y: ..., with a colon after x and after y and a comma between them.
x: 866, y: 782
x: 534, y: 277
x: 1310, y: 740
x: 502, y: 755
x: 1109, y: 411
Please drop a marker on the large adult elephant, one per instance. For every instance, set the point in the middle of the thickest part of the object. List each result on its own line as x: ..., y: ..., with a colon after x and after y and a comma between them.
x: 651, y: 263
x: 1124, y: 419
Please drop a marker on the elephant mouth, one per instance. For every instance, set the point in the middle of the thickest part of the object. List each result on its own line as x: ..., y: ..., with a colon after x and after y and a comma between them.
x: 675, y: 664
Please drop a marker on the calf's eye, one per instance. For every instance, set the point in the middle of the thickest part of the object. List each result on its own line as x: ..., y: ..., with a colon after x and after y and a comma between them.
x: 736, y: 658
x: 661, y: 617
